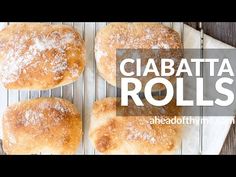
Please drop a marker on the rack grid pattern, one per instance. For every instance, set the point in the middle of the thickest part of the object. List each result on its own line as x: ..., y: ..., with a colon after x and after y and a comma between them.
x: 90, y: 86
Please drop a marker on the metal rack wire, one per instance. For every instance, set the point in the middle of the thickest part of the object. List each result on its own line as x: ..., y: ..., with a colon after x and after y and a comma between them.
x: 201, y: 108
x: 81, y: 85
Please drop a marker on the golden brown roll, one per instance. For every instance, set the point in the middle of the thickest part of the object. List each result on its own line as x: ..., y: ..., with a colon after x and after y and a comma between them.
x: 131, y: 36
x: 42, y: 126
x: 112, y: 134
x: 40, y: 56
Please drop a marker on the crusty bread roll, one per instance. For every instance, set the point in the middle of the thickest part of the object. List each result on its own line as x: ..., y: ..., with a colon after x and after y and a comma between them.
x: 42, y: 126
x: 40, y: 56
x: 131, y: 36
x: 112, y: 134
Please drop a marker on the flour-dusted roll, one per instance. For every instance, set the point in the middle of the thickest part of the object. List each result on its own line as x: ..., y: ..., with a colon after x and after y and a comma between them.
x: 112, y: 134
x: 42, y: 126
x: 40, y: 56
x: 131, y: 36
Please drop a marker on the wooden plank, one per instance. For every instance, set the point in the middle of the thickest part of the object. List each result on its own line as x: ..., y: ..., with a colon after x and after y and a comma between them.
x: 230, y: 142
x: 192, y: 24
x: 225, y: 32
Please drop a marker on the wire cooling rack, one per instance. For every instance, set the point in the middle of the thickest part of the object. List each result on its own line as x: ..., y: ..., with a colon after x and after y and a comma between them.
x: 90, y: 86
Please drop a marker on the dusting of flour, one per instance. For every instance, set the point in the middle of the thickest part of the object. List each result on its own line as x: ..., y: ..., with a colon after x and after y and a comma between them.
x: 25, y: 49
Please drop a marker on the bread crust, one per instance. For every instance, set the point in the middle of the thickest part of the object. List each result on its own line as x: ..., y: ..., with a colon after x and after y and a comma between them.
x: 112, y: 134
x: 131, y: 36
x: 40, y: 56
x: 42, y: 126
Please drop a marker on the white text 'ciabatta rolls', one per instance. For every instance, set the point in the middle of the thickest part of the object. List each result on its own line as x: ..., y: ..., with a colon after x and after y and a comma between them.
x: 40, y: 56
x: 131, y: 36
x: 42, y: 126
x: 111, y: 134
